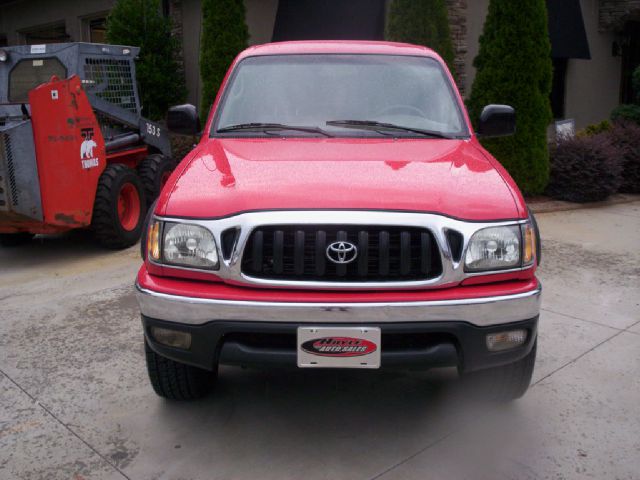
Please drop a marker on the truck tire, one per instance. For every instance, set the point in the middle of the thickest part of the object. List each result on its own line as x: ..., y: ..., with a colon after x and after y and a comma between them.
x: 504, y: 383
x: 15, y: 239
x: 120, y: 207
x: 154, y: 172
x: 177, y: 381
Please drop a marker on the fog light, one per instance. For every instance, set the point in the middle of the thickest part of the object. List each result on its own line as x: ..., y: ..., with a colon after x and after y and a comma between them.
x: 497, y: 342
x: 171, y: 338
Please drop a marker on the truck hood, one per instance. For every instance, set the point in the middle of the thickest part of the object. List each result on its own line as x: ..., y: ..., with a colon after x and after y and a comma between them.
x: 222, y: 177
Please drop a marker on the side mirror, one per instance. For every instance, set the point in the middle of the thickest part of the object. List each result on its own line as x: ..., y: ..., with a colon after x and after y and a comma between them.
x: 183, y: 120
x: 497, y: 121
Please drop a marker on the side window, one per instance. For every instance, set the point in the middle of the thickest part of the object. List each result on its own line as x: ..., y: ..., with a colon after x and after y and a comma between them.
x: 30, y: 73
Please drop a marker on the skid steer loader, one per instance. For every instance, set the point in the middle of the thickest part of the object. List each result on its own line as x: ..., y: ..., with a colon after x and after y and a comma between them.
x: 75, y: 151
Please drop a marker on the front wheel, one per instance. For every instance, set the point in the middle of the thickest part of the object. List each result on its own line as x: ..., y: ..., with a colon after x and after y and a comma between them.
x: 120, y: 207
x: 154, y: 172
x: 177, y: 381
x: 504, y: 383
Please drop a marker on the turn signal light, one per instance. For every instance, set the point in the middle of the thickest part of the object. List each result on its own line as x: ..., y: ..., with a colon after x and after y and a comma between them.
x: 153, y: 241
x: 529, y: 253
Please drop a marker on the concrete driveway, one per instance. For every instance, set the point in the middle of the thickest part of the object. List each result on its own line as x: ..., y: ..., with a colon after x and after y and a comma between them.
x: 75, y: 402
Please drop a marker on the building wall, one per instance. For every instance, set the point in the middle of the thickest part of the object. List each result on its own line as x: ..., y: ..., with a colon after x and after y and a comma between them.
x: 476, y: 14
x: 458, y: 25
x: 22, y: 15
x: 593, y: 86
x: 260, y: 18
x: 191, y: 28
x: 613, y: 13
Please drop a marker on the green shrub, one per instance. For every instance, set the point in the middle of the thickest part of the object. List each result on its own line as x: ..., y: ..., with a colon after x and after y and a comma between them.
x: 628, y: 112
x: 224, y: 35
x: 140, y: 23
x: 514, y: 68
x: 421, y: 22
x: 595, y: 129
x: 585, y: 169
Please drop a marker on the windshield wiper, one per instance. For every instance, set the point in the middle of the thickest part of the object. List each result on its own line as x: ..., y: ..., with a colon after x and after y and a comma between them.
x: 373, y: 125
x: 272, y: 126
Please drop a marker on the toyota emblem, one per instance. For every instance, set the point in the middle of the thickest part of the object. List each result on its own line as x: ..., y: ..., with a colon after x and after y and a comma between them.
x: 342, y: 252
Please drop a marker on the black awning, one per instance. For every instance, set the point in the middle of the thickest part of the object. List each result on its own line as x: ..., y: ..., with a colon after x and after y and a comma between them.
x: 566, y: 30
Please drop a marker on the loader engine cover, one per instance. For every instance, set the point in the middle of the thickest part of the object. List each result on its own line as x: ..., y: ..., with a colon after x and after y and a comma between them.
x: 19, y: 188
x: 70, y: 151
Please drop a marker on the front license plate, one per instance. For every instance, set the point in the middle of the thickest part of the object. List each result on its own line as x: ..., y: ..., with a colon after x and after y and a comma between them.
x: 339, y: 347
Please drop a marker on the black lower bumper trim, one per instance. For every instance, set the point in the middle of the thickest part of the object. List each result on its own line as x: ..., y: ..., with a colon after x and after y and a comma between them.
x: 413, y: 345
x: 236, y: 353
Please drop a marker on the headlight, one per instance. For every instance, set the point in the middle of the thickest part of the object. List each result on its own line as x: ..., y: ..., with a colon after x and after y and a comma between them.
x: 185, y: 245
x: 494, y: 248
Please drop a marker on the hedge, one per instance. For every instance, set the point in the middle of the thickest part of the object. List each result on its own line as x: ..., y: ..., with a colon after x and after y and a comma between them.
x: 514, y: 68
x: 421, y: 22
x: 224, y: 35
x: 585, y: 169
x: 140, y: 23
x: 625, y: 136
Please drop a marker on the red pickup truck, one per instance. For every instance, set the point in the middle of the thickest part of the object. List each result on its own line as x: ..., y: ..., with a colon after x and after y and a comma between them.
x: 339, y: 212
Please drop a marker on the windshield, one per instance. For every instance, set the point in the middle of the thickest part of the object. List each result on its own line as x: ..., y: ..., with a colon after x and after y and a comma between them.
x: 311, y: 90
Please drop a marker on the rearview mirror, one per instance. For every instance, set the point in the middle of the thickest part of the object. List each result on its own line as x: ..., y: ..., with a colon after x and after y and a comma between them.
x: 183, y: 120
x: 497, y: 121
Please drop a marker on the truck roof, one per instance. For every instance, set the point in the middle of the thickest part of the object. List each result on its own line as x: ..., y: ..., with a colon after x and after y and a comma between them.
x: 338, y: 46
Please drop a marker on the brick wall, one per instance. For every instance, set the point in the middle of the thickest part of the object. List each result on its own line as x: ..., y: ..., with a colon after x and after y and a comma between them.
x: 458, y: 26
x: 614, y: 13
x: 175, y: 15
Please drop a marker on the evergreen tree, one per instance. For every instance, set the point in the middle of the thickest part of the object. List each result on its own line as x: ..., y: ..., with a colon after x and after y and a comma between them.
x: 421, y: 22
x: 514, y: 68
x: 224, y: 35
x: 140, y: 23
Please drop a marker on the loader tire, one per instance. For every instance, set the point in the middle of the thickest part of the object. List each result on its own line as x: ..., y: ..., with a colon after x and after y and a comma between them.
x: 120, y: 207
x: 154, y: 172
x: 15, y: 239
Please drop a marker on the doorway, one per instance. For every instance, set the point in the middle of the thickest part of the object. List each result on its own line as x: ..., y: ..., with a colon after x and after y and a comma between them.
x: 329, y: 20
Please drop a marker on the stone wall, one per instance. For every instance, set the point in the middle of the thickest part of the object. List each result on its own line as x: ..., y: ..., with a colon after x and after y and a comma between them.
x: 458, y: 25
x: 614, y: 13
x: 175, y: 15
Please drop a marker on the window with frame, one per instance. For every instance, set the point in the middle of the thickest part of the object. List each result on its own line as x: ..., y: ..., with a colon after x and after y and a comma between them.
x: 97, y: 30
x: 53, y: 33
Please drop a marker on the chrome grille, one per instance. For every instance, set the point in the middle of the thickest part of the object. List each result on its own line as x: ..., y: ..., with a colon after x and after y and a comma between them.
x: 384, y: 253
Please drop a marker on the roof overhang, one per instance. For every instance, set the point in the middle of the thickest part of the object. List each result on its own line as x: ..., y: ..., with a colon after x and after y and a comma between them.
x: 566, y: 30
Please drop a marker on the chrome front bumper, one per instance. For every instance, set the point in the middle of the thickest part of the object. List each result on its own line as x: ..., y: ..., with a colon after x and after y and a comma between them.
x: 481, y: 312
